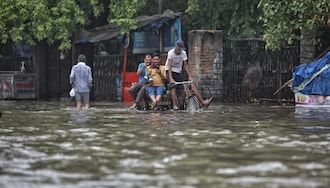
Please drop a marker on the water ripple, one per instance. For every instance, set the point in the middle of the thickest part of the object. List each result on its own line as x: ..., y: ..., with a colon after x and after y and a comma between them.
x: 263, y: 168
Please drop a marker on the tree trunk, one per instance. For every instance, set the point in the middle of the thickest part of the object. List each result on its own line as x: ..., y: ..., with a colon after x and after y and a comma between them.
x: 160, y: 6
x: 307, y: 46
x: 160, y: 11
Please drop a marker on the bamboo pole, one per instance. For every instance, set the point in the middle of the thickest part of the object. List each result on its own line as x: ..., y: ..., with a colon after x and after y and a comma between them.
x: 284, y: 85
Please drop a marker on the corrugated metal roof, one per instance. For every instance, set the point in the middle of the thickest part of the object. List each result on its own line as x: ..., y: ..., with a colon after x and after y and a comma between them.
x: 144, y: 23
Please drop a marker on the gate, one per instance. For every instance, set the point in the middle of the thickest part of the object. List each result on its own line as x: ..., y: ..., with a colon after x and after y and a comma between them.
x: 275, y: 67
x: 106, y: 73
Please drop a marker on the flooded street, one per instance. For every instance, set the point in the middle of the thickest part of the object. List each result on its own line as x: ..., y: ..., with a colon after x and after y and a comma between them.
x: 49, y: 144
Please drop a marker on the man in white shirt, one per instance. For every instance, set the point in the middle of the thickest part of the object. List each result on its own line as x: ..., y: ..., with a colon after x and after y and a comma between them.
x: 81, y: 80
x: 175, y: 63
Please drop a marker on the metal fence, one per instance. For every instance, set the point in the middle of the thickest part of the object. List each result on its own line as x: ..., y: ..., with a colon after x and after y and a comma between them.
x: 276, y: 68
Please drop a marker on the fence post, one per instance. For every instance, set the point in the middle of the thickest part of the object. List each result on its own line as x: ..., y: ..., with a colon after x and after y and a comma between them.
x: 278, y: 73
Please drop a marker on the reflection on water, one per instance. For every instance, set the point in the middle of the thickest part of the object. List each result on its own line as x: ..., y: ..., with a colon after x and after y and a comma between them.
x: 79, y: 116
x: 313, y: 112
x: 49, y: 144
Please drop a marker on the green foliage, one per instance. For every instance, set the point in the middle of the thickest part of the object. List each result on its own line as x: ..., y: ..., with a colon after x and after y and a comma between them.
x: 193, y: 6
x: 31, y: 21
x: 123, y: 13
x: 284, y: 19
x: 151, y: 6
x: 206, y: 14
x: 235, y: 17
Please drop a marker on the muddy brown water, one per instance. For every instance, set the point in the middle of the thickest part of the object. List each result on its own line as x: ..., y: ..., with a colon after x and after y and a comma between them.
x: 50, y: 144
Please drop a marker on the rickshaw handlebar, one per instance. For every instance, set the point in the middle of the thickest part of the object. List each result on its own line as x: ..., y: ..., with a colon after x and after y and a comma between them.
x: 183, y: 82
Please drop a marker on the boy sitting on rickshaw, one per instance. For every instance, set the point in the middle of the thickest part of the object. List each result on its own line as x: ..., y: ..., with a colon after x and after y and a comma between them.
x: 155, y: 74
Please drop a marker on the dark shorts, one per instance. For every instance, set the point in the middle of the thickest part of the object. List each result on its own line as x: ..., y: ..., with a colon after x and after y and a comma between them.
x: 82, y: 96
x: 178, y: 77
x: 134, y: 89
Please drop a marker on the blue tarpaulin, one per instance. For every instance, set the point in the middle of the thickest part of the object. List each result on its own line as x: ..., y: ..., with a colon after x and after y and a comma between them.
x: 313, y: 78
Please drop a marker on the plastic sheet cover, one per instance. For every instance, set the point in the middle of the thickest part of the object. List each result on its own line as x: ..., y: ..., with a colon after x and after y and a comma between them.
x: 313, y: 78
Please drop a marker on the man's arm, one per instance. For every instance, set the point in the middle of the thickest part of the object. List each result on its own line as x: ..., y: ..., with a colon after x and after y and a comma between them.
x: 140, y: 70
x: 170, y: 77
x: 162, y: 73
x: 72, y: 75
x: 90, y: 78
x: 147, y: 73
x: 185, y: 66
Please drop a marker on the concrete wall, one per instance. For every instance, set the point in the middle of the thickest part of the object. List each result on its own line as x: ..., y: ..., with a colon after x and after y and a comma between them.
x: 205, y: 59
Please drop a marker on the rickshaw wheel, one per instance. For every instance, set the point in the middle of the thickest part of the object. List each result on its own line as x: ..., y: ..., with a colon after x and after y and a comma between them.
x: 192, y: 103
x: 180, y: 99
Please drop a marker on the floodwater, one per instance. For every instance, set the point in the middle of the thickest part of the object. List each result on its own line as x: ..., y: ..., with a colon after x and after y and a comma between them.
x: 49, y: 144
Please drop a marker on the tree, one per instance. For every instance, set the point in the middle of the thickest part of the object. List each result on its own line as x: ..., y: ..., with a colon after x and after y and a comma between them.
x: 284, y: 19
x: 32, y: 21
x: 123, y: 13
x: 234, y: 17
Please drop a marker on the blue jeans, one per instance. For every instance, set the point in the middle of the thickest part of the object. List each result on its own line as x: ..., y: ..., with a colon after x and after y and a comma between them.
x: 155, y: 90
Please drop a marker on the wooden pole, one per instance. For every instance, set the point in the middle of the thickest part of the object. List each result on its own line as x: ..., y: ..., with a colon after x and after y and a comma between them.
x: 160, y: 11
x: 160, y: 6
x: 124, y: 73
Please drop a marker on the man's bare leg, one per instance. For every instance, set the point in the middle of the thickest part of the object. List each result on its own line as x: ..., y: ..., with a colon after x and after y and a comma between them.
x: 174, y: 99
x: 154, y: 102
x: 87, y: 106
x: 205, y: 103
x: 78, y: 105
x: 138, y: 98
x: 158, y: 98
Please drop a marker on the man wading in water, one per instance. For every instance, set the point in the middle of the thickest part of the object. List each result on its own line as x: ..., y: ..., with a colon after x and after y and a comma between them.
x: 81, y: 80
x: 175, y: 63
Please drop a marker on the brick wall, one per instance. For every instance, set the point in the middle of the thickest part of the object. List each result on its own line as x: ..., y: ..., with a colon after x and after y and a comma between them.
x: 206, y: 61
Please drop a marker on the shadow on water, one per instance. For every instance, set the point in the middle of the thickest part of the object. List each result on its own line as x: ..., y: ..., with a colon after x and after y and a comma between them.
x: 48, y: 144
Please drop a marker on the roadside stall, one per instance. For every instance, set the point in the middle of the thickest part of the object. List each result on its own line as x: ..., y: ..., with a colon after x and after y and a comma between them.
x: 17, y: 80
